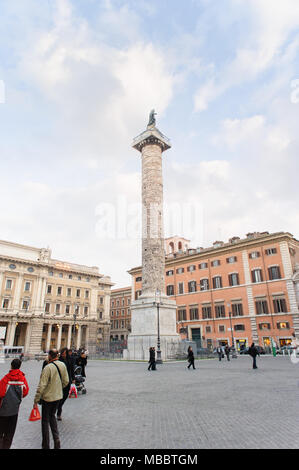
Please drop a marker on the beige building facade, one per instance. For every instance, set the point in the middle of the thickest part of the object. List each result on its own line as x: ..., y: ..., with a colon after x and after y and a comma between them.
x: 47, y: 303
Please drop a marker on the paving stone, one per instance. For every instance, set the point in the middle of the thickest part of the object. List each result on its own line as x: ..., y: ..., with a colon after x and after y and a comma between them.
x: 218, y: 405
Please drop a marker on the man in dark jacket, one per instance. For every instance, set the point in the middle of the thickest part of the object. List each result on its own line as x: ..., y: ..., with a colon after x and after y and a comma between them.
x: 227, y: 351
x: 190, y: 357
x: 13, y: 387
x: 152, y: 359
x: 65, y: 358
x: 253, y: 352
x: 82, y: 362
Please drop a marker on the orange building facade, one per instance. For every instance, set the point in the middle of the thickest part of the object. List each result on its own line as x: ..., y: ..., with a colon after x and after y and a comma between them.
x: 243, y: 291
x: 120, y: 314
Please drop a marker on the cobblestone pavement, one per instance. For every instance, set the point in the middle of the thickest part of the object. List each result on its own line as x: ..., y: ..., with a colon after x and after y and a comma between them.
x: 218, y: 405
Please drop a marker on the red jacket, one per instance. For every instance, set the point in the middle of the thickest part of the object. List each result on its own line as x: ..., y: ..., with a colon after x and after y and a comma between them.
x: 13, y: 387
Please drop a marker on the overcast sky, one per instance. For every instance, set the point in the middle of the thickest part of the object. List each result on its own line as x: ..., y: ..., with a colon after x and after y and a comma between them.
x: 80, y: 79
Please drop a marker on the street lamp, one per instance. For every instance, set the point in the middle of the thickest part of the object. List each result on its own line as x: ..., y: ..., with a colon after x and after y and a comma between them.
x: 74, y: 326
x: 158, y: 302
x: 234, y: 355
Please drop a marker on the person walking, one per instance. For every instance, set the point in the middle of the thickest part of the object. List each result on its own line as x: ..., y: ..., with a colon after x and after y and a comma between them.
x: 152, y: 359
x: 13, y: 388
x: 65, y: 358
x: 82, y: 362
x: 190, y: 357
x: 227, y: 351
x: 54, y: 378
x: 219, y: 352
x: 253, y: 352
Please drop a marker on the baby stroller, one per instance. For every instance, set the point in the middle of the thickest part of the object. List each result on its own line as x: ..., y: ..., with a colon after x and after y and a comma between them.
x: 79, y: 380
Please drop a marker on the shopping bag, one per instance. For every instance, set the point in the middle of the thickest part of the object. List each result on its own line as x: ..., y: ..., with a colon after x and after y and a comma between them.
x: 35, y: 414
x: 73, y: 391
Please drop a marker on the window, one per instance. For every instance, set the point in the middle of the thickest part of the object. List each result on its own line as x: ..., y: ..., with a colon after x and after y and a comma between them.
x: 69, y: 291
x: 221, y: 328
x: 192, y: 286
x: 25, y: 305
x: 233, y: 279
x: 79, y: 278
x: 100, y: 315
x: 5, y: 303
x: 137, y: 294
x: 123, y: 302
x: 206, y: 312
x: 112, y: 303
x: 122, y: 312
x: 191, y: 268
x: 67, y: 309
x: 208, y: 329
x: 85, y: 311
x: 181, y: 287
x: 88, y: 279
x: 204, y: 284
x: 217, y: 282
x: 101, y: 300
x: 170, y: 290
x: 117, y: 313
x: 49, y: 290
x: 182, y: 314
x: 239, y: 327
x: 180, y: 270
x: 60, y: 274
x: 194, y: 313
x: 59, y: 290
x: 220, y: 311
x: 283, y: 325
x: 254, y: 254
x: 117, y: 303
x: 274, y: 273
x: 112, y: 313
x: 8, y: 284
x: 280, y: 306
x: 271, y: 251
x: 70, y: 276
x: 122, y: 324
x: 231, y: 259
x: 78, y: 293
x: 128, y: 301
x: 57, y: 310
x: 264, y: 326
x: 51, y: 273
x: 237, y: 310
x: 169, y: 273
x: 47, y: 308
x: 216, y: 262
x: 27, y: 286
x: 261, y: 307
x: 86, y: 294
x: 203, y: 265
x: 138, y: 279
x: 257, y: 275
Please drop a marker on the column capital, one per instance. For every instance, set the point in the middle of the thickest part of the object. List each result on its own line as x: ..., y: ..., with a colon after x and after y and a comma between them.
x: 152, y: 136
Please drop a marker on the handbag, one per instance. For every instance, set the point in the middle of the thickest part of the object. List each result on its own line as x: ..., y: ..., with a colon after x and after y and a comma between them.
x: 35, y: 414
x: 73, y: 391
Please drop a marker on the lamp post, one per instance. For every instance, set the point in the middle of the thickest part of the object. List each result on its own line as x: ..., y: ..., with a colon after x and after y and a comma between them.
x: 158, y: 303
x: 234, y: 355
x: 74, y: 326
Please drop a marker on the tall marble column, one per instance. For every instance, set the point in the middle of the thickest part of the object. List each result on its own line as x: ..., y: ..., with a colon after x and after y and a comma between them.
x: 144, y: 313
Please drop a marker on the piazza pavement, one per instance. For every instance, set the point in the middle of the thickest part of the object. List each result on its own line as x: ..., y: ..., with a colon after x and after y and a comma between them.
x: 219, y: 405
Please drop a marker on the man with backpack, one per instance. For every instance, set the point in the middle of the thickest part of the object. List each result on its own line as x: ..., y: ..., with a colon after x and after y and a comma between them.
x: 13, y: 387
x: 53, y: 379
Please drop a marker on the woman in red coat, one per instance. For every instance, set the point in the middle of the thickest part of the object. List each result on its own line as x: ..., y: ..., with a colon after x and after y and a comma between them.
x: 13, y: 388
